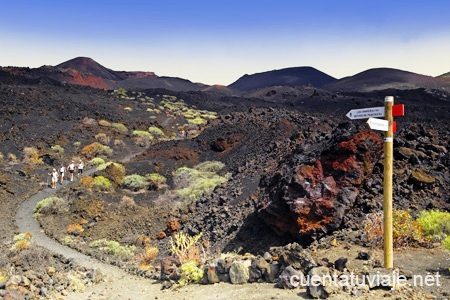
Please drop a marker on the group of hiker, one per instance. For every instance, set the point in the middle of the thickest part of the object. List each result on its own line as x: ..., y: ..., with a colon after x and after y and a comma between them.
x: 72, y: 168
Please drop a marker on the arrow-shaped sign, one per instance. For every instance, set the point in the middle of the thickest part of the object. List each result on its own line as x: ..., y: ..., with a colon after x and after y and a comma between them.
x: 364, y: 113
x: 398, y: 110
x: 378, y: 124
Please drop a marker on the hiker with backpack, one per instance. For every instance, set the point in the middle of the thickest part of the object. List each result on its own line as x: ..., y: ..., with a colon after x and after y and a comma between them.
x: 80, y: 168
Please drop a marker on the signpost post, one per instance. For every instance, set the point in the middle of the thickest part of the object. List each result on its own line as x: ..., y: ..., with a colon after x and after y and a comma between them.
x: 387, y: 185
x: 389, y: 127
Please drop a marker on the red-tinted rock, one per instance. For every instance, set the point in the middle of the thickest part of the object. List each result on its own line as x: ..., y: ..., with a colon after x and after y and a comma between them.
x: 317, y: 197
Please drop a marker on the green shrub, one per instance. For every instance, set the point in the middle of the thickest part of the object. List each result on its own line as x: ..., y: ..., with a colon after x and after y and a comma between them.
x: 190, y: 273
x: 446, y: 243
x: 48, y: 205
x: 210, y: 166
x: 119, y: 127
x: 197, y: 121
x: 193, y: 183
x: 97, y: 161
x: 104, y: 123
x: 113, y: 171
x: 128, y: 108
x: 57, y: 148
x: 114, y: 248
x: 77, y: 144
x: 102, y: 183
x: 435, y: 224
x: 143, y: 134
x: 155, y: 131
x: 156, y: 180
x: 67, y: 240
x: 134, y: 182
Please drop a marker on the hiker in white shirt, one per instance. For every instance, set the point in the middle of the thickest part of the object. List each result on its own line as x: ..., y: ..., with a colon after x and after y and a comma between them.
x: 62, y: 170
x: 80, y: 168
x: 71, y: 168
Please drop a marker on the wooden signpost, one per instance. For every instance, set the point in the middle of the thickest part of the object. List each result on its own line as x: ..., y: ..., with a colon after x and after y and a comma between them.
x: 389, y: 127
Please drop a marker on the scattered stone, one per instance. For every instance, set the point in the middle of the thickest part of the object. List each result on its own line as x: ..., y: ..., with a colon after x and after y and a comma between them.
x: 339, y: 264
x: 290, y: 278
x: 363, y: 255
x: 240, y: 272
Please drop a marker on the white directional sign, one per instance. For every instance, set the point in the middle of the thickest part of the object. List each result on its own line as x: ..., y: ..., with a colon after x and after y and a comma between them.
x: 378, y: 124
x: 364, y: 113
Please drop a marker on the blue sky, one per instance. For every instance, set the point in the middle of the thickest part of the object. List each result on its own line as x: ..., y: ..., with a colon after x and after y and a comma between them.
x: 216, y: 42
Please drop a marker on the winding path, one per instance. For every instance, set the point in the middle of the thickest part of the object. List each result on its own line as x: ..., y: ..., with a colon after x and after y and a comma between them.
x: 118, y: 284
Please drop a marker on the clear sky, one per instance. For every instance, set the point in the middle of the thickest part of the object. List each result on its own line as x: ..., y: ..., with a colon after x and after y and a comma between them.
x: 216, y: 42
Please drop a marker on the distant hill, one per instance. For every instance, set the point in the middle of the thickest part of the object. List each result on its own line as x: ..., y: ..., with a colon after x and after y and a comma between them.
x: 89, y: 66
x: 385, y: 78
x: 278, y: 85
x: 297, y: 76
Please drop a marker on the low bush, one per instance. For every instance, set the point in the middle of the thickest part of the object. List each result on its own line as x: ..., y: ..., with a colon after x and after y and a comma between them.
x: 95, y: 149
x: 155, y: 131
x: 190, y: 273
x: 185, y: 247
x: 102, y: 183
x: 193, y: 183
x: 87, y: 182
x: 57, y: 149
x: 67, y: 240
x: 156, y: 181
x: 114, y: 248
x: 97, y: 161
x: 113, y: 171
x: 104, y: 123
x: 120, y: 128
x: 102, y: 138
x: 147, y: 258
x: 197, y: 121
x: 406, y: 231
x: 446, y: 243
x: 31, y: 156
x: 22, y: 241
x: 143, y: 134
x: 435, y: 224
x: 134, y: 182
x: 49, y: 205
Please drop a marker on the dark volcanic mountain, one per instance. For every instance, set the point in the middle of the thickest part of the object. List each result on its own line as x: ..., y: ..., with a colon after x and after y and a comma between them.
x: 385, y: 78
x: 89, y: 66
x: 297, y: 76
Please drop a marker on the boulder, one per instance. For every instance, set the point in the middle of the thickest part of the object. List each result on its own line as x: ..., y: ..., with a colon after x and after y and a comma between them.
x: 315, y: 199
x: 290, y: 278
x: 240, y: 272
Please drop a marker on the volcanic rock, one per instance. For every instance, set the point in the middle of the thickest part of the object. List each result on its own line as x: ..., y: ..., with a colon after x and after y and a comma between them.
x: 314, y: 201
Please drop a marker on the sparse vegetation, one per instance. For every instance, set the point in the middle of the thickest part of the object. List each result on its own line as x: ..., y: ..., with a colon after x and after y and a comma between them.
x: 155, y: 131
x: 192, y: 183
x: 57, y: 149
x: 31, y: 156
x: 156, y: 181
x: 120, y: 128
x: 114, y: 248
x: 95, y: 149
x: 22, y: 241
x: 134, y: 182
x: 190, y: 273
x: 430, y: 226
x: 50, y: 205
x: 185, y: 247
x: 102, y: 183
